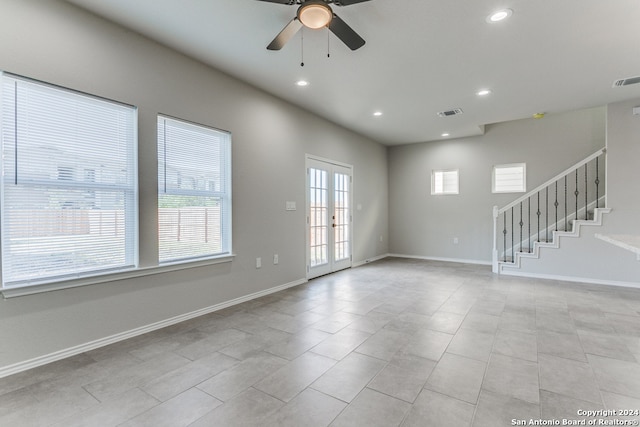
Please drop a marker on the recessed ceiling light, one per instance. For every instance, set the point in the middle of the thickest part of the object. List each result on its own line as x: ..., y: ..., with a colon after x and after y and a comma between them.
x: 445, y: 134
x: 499, y: 15
x: 483, y: 92
x: 302, y: 83
x: 377, y: 113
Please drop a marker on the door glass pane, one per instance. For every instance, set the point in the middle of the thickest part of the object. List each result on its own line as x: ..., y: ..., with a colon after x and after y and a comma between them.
x: 318, y: 211
x: 341, y: 217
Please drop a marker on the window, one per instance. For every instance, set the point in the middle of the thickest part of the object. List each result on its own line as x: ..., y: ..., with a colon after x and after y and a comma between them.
x: 509, y: 178
x: 69, y: 184
x: 194, y: 191
x: 444, y: 182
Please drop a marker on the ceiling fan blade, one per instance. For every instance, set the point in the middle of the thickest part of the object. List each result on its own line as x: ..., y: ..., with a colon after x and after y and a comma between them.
x: 285, y: 35
x: 289, y: 2
x: 345, y: 33
x: 344, y: 2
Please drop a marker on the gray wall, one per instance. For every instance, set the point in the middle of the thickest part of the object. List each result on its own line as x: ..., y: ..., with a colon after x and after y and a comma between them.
x: 55, y: 42
x: 623, y: 155
x: 423, y: 225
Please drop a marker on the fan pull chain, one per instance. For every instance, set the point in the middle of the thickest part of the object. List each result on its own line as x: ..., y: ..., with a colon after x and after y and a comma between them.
x: 328, y: 44
x: 302, y: 47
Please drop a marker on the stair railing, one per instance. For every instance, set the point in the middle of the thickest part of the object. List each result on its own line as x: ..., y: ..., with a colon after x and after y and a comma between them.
x: 552, y: 206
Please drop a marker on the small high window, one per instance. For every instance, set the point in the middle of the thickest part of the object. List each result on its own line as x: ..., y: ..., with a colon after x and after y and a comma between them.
x: 444, y: 182
x: 511, y: 178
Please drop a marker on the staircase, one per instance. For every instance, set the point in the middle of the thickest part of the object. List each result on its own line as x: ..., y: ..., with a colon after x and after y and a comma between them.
x: 555, y: 210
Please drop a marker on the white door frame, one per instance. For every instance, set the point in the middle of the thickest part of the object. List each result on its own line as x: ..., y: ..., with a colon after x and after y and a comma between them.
x: 332, y: 167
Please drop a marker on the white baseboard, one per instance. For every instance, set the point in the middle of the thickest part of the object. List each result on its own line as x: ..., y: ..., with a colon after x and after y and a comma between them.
x: 82, y: 348
x: 456, y: 260
x: 368, y: 260
x: 517, y: 273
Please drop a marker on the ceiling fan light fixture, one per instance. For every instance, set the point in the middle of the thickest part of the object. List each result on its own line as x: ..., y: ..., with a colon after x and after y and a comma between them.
x: 315, y: 14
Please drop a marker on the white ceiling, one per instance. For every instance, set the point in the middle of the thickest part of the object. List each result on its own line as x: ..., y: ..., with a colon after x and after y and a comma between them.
x: 420, y: 57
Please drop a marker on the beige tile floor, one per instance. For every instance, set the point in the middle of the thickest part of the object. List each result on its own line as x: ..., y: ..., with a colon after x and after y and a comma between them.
x: 393, y: 343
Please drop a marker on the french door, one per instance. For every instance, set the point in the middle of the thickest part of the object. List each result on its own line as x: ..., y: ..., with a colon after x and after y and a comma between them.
x: 329, y: 217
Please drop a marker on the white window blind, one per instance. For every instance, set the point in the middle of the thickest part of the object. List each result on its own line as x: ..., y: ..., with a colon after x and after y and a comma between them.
x: 444, y: 182
x: 69, y: 202
x: 509, y: 178
x: 194, y: 191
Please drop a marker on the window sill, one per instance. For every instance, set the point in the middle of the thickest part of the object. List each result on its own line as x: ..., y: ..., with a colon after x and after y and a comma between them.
x: 111, y: 277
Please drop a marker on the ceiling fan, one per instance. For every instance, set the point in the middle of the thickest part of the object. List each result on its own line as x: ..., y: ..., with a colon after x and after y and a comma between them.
x: 317, y: 14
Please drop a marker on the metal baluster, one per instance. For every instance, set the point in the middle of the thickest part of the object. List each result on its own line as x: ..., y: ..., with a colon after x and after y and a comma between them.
x: 538, y: 213
x: 586, y: 200
x: 565, y: 203
x: 512, y: 233
x: 521, y: 224
x: 576, y: 193
x: 529, y: 224
x: 504, y: 232
x: 546, y: 213
x: 556, y: 205
x: 597, y: 182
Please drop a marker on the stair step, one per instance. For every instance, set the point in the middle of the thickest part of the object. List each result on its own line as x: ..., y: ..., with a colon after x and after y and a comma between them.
x: 511, y: 263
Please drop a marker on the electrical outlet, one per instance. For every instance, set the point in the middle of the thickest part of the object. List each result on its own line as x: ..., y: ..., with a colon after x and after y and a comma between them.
x: 275, y: 258
x: 258, y: 262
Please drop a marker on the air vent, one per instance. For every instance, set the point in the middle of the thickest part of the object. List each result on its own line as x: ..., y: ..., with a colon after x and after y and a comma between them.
x: 626, y: 82
x: 448, y: 113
